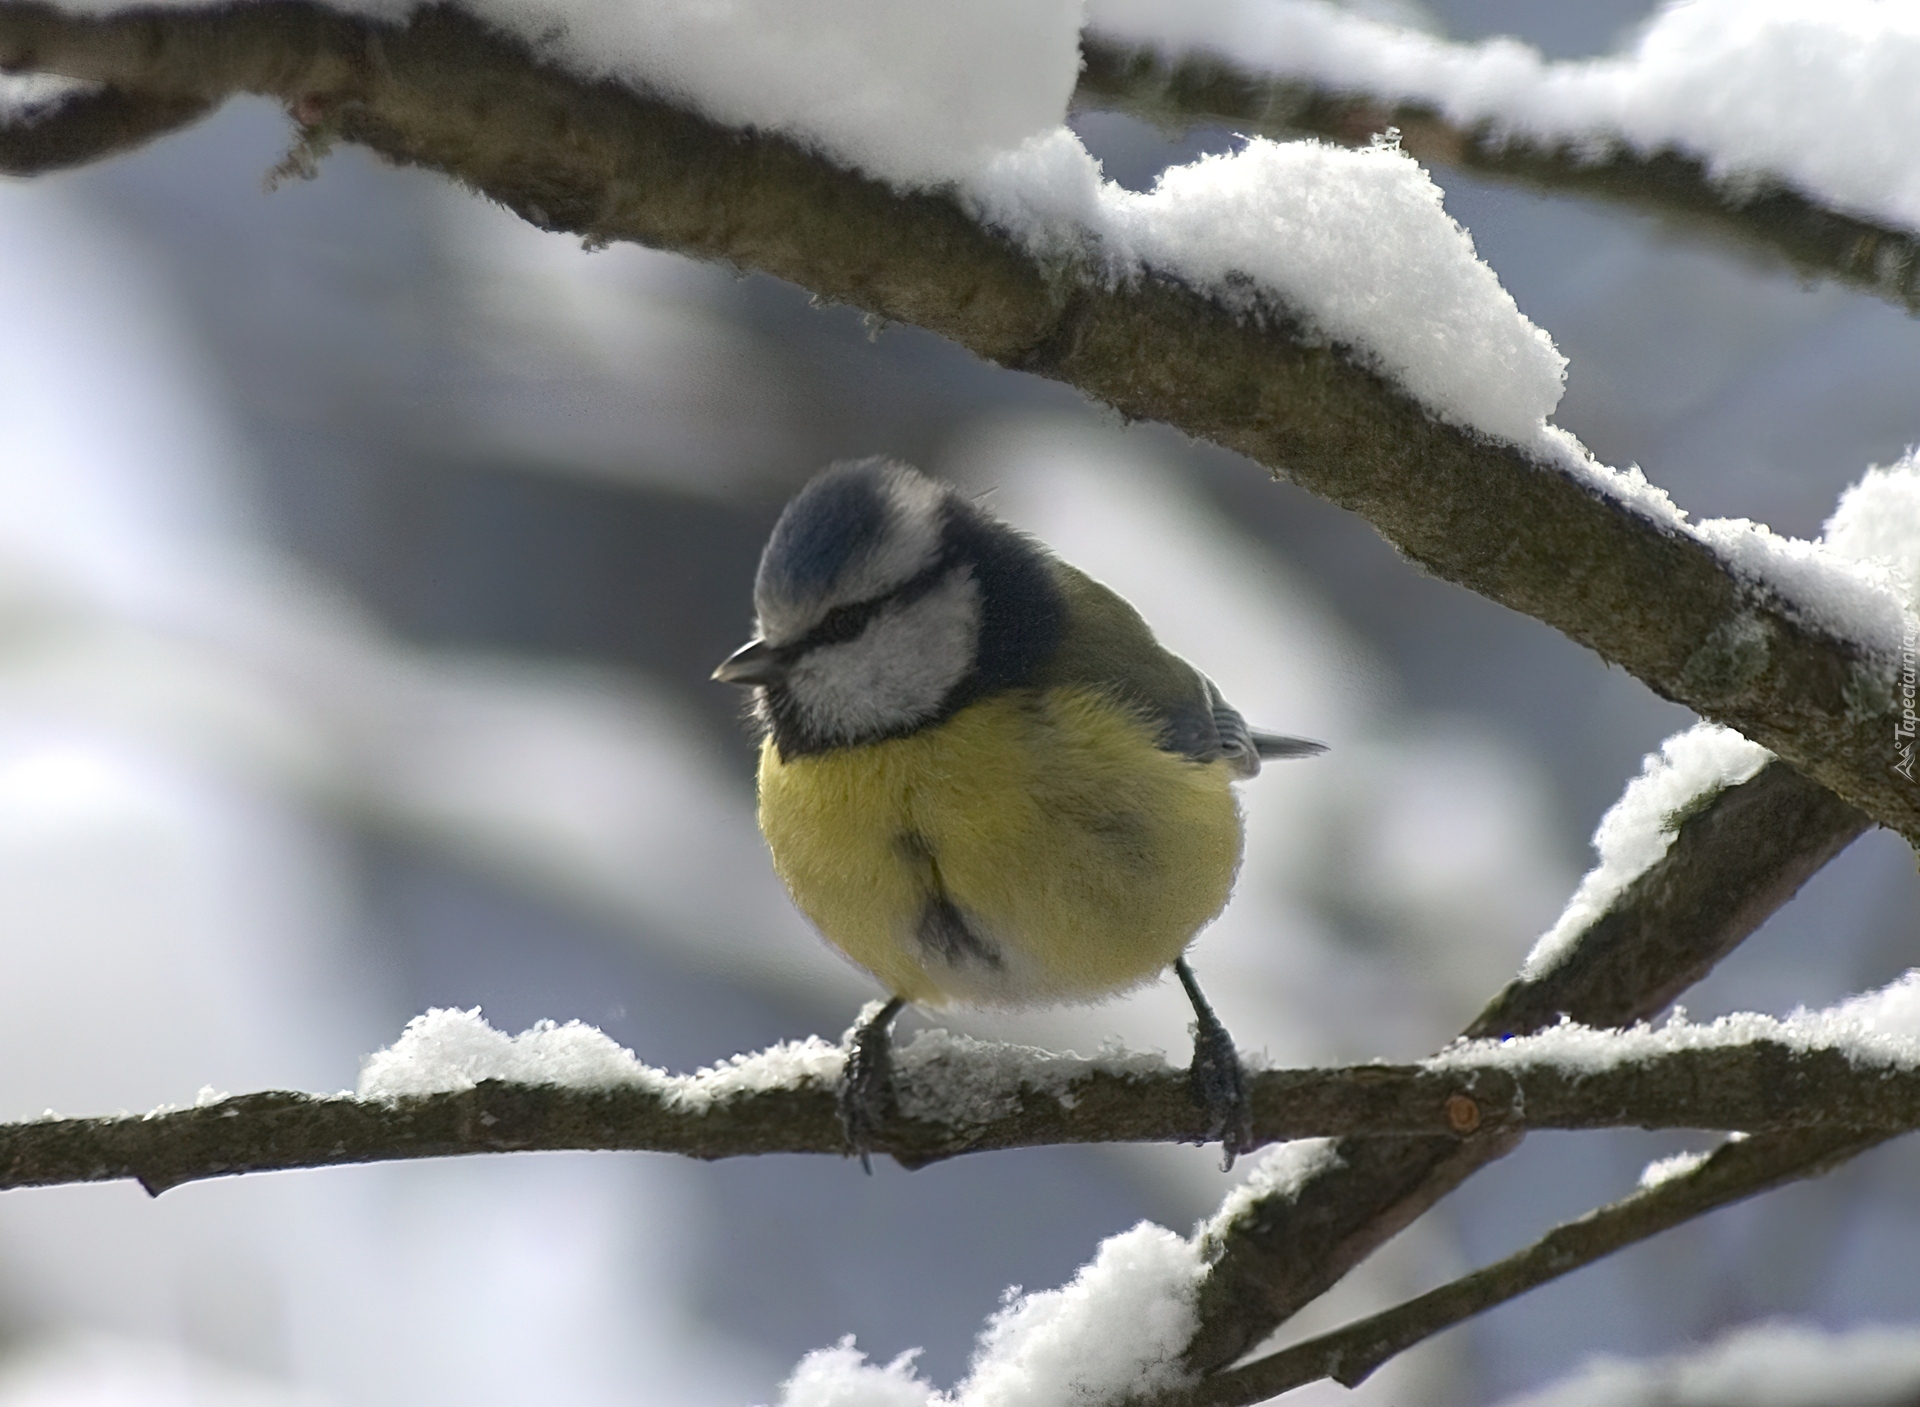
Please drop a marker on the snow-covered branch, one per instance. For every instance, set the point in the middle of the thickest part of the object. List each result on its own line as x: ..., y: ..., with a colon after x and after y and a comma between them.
x: 578, y: 1091
x: 1706, y: 78
x: 1657, y: 927
x: 1116, y: 295
x: 1185, y: 89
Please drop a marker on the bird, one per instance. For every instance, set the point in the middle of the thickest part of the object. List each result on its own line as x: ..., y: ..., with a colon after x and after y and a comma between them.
x: 981, y: 777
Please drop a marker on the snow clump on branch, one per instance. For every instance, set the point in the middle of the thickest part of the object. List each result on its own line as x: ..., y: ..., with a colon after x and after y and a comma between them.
x: 1704, y: 78
x: 446, y: 1050
x: 940, y: 1076
x: 1358, y: 243
x: 1878, y: 520
x: 1690, y: 769
x: 1117, y: 1329
x: 1862, y: 580
x: 1874, y: 1030
x: 913, y: 92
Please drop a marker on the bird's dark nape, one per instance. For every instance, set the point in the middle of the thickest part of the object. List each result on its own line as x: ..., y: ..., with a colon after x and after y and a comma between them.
x: 1023, y: 613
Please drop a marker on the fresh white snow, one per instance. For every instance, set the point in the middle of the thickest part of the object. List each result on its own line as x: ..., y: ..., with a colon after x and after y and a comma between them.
x: 1667, y: 1169
x: 1878, y: 521
x: 1124, y: 1319
x: 1354, y: 244
x: 1119, y: 1326
x: 1357, y: 242
x: 1854, y: 600
x: 1877, y: 1029
x: 955, y: 1079
x: 447, y: 1050
x: 915, y: 92
x: 922, y: 93
x: 23, y: 95
x: 1279, y: 1173
x: 1639, y: 828
x: 959, y: 1080
x: 1704, y: 77
x: 1861, y: 581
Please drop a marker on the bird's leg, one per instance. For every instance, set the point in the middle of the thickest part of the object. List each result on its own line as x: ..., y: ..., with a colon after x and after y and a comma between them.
x: 866, y: 1081
x: 1217, y: 1081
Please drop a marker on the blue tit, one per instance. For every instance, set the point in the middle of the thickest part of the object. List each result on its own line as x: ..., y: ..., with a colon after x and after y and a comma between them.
x: 982, y: 778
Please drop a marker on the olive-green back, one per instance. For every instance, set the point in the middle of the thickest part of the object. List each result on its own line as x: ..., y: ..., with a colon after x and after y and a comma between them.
x: 1107, y: 646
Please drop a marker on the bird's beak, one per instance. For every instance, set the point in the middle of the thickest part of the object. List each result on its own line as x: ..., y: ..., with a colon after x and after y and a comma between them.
x: 755, y: 662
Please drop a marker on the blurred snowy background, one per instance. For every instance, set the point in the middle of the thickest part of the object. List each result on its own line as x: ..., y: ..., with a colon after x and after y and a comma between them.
x: 364, y: 557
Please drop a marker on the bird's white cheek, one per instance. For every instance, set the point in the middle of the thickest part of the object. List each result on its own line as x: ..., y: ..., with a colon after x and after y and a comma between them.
x: 898, y: 671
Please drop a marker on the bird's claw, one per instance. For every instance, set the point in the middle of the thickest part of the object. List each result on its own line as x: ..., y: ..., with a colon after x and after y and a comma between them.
x: 1217, y: 1082
x: 866, y: 1098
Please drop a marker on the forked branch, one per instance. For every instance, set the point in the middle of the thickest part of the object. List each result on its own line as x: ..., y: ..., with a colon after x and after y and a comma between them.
x: 1736, y: 1171
x: 444, y: 91
x: 1732, y: 862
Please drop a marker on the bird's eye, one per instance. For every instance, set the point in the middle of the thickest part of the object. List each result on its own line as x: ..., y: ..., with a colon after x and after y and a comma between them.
x: 843, y: 623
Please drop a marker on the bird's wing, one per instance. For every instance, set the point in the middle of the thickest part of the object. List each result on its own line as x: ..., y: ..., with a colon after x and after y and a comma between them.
x: 1108, y: 646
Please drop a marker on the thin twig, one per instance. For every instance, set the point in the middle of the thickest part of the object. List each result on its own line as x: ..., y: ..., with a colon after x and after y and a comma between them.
x: 1732, y: 863
x: 1736, y: 1171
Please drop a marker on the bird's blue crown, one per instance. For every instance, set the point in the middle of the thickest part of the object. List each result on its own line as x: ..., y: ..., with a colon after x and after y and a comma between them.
x: 832, y: 523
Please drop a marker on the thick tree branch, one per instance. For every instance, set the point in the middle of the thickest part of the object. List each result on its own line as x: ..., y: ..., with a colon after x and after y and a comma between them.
x: 447, y: 93
x: 1768, y: 218
x: 1736, y: 1171
x: 1755, y: 1086
x: 1731, y: 864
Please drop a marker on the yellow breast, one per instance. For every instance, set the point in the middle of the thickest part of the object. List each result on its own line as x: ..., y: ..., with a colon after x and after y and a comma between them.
x: 1035, y: 847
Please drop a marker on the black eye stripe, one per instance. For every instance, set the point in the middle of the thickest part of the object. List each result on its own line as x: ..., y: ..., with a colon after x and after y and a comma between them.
x: 844, y: 623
